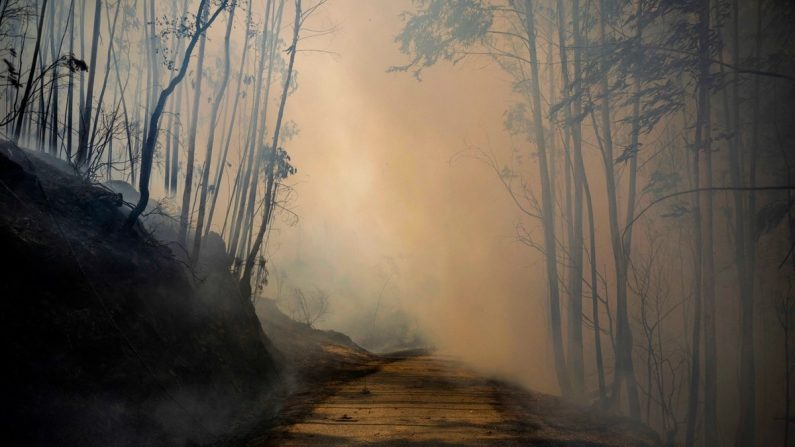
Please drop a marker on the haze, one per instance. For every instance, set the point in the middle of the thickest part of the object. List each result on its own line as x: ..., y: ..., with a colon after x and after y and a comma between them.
x: 591, y: 199
x: 383, y: 190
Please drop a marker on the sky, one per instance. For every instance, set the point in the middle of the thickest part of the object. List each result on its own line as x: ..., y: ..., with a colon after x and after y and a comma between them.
x: 387, y: 193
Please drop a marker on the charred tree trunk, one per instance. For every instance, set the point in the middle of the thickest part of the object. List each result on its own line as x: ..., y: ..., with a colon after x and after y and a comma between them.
x: 150, y: 142
x: 55, y: 53
x: 102, y: 90
x: 85, y: 116
x: 70, y: 86
x: 29, y: 85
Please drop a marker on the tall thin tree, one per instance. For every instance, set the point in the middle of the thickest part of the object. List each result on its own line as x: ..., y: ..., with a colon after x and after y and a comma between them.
x: 208, y: 156
x: 147, y: 153
x: 85, y: 114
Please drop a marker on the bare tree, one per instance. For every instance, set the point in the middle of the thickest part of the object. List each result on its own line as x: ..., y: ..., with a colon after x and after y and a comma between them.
x: 184, y: 217
x: 278, y: 165
x: 222, y: 161
x: 85, y: 114
x: 29, y: 85
x: 201, y: 26
x: 208, y: 156
x: 308, y: 309
x: 253, y: 163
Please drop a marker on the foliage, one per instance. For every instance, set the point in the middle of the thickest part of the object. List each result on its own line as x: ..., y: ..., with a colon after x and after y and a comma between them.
x: 442, y: 29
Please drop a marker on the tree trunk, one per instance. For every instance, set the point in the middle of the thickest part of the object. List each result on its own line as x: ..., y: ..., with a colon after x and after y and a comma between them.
x: 548, y: 209
x: 235, y: 194
x: 101, y: 97
x: 600, y: 369
x: 706, y: 207
x: 222, y: 160
x: 248, y: 188
x: 184, y: 218
x: 260, y: 139
x: 626, y: 238
x: 175, y: 134
x: 42, y: 109
x: 624, y: 369
x: 270, y: 194
x: 211, y: 137
x: 126, y: 119
x: 29, y: 85
x: 174, y: 125
x: 70, y: 85
x: 698, y: 265
x: 581, y: 186
x: 575, y: 345
x: 55, y: 52
x: 85, y: 116
x: 82, y: 96
x: 746, y: 427
x: 147, y: 153
x: 170, y: 125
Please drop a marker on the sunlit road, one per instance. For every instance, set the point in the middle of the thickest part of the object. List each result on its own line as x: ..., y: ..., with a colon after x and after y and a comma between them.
x: 421, y: 400
x: 433, y: 401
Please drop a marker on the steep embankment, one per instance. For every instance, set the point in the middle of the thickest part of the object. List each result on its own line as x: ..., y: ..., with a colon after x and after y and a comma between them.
x: 314, y: 363
x: 108, y: 339
x: 311, y: 355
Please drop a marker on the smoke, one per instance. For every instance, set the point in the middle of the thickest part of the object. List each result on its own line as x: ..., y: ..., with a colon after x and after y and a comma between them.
x: 415, y: 240
x: 386, y: 201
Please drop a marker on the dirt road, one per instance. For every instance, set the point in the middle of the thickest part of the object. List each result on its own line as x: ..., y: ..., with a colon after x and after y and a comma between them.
x: 434, y: 401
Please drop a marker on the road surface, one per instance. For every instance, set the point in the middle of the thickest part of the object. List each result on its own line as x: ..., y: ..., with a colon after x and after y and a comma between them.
x: 434, y: 401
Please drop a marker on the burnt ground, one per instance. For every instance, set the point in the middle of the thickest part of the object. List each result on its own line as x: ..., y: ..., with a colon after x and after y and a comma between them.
x: 107, y: 338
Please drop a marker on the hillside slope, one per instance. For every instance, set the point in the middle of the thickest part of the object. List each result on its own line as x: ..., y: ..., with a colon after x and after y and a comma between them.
x: 108, y: 339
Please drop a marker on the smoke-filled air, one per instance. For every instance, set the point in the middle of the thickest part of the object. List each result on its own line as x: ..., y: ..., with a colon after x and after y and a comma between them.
x: 398, y: 222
